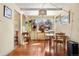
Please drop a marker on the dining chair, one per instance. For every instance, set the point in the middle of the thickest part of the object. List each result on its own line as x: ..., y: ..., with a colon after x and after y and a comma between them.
x: 61, y: 42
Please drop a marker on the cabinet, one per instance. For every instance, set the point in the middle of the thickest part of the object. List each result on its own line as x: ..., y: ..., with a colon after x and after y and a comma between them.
x: 73, y: 48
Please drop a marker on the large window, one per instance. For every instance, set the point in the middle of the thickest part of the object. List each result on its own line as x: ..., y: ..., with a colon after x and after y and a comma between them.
x: 62, y: 19
x: 44, y: 22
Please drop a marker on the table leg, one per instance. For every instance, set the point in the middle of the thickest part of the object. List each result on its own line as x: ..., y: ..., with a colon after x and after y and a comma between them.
x: 50, y: 45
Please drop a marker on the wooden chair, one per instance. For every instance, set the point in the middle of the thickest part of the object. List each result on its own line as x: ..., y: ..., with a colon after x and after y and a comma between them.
x: 60, y: 39
x: 26, y: 37
x: 16, y: 38
x: 60, y: 34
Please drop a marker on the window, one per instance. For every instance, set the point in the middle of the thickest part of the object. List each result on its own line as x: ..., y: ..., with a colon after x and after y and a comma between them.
x: 64, y: 19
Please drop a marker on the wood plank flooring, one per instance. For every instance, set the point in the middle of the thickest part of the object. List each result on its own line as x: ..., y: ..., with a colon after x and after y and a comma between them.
x: 35, y: 48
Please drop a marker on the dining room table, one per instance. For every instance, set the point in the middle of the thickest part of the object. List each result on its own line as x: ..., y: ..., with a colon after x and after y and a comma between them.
x: 51, y: 36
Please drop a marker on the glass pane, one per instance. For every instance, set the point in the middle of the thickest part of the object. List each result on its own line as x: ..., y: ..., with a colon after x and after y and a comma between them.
x: 65, y: 19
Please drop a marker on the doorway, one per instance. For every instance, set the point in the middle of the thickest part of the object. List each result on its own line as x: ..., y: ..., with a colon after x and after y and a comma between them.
x: 16, y: 28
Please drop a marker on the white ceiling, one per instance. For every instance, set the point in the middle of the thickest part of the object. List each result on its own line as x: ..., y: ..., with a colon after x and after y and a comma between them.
x: 43, y: 5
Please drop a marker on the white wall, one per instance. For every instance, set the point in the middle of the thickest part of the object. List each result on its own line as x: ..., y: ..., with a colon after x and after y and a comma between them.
x: 7, y: 30
x: 75, y: 25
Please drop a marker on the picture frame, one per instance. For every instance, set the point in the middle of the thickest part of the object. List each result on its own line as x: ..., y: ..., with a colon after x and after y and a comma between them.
x: 7, y: 12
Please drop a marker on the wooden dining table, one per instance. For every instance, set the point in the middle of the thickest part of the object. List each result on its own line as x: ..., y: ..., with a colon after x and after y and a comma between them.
x: 50, y: 35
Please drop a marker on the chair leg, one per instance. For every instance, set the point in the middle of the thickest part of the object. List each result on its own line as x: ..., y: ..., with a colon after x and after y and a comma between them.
x: 56, y: 48
x: 60, y: 47
x: 64, y: 48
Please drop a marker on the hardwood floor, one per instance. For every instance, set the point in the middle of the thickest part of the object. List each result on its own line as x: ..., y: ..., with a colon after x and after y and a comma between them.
x: 35, y: 48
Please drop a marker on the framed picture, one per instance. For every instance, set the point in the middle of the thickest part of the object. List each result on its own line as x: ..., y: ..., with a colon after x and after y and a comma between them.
x: 7, y: 12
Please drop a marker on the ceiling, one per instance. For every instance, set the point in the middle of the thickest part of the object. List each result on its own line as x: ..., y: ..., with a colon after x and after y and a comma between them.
x: 34, y: 7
